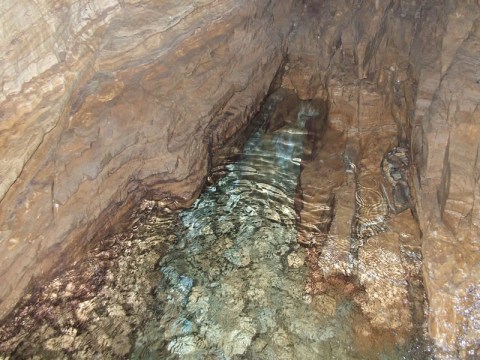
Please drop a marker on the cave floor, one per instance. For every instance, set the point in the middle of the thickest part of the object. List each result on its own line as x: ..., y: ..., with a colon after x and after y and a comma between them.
x: 299, y: 248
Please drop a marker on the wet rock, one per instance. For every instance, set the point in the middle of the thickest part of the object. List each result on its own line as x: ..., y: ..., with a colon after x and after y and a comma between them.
x: 395, y: 167
x: 78, y: 137
x: 382, y: 274
x: 94, y: 308
x: 362, y: 251
x: 296, y: 259
x: 336, y: 254
x: 130, y: 97
x: 371, y: 210
x: 325, y: 304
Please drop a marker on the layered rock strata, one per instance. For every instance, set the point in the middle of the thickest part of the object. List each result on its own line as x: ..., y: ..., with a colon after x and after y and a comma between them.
x: 445, y: 142
x: 106, y: 102
x: 351, y: 234
x: 422, y: 59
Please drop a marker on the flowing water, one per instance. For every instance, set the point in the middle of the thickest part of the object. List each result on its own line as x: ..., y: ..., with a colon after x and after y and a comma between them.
x: 234, y: 281
x: 233, y: 284
x: 230, y: 282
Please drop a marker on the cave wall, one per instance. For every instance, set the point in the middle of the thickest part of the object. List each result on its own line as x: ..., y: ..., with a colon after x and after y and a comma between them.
x: 422, y: 58
x: 104, y: 102
x: 445, y: 141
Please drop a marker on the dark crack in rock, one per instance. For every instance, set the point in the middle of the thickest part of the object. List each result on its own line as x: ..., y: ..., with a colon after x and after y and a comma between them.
x: 396, y: 189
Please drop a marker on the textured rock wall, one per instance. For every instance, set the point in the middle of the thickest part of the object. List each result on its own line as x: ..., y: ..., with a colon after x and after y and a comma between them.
x: 104, y: 102
x: 446, y: 139
x: 353, y: 236
x: 423, y: 56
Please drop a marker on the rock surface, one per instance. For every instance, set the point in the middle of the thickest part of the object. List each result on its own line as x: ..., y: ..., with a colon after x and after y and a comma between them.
x: 351, y: 233
x: 231, y: 285
x: 446, y: 123
x: 105, y: 102
x: 422, y: 57
x: 96, y: 306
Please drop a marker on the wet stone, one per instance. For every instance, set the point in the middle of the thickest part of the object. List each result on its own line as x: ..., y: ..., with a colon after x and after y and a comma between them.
x: 95, y: 307
x: 383, y: 276
x: 365, y: 251
x: 395, y: 167
x: 228, y: 278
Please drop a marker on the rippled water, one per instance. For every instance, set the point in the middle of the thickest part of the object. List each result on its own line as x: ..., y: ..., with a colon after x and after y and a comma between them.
x: 233, y: 284
x: 228, y: 288
x: 229, y: 276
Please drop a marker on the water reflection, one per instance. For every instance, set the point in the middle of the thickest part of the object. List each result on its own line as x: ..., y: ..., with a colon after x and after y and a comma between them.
x: 228, y: 288
x: 233, y: 284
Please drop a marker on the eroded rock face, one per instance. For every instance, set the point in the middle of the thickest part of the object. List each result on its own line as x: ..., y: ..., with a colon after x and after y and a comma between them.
x: 422, y: 57
x: 446, y: 124
x: 105, y: 102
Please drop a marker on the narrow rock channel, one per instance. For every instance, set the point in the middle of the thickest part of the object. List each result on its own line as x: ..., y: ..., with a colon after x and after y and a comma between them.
x: 233, y: 284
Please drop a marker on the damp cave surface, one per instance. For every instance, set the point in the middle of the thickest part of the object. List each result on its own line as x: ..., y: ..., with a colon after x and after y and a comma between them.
x: 243, y: 273
x: 117, y: 112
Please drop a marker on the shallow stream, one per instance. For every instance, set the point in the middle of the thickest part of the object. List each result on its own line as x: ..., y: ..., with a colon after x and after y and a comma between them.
x: 233, y: 286
x: 229, y: 283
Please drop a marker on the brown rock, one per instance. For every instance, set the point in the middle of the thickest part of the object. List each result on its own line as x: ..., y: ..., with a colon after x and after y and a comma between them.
x: 104, y: 104
x: 383, y: 276
x: 446, y: 113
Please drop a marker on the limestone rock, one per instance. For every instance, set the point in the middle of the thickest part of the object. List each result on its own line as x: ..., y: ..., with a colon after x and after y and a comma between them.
x: 106, y: 102
x: 446, y: 147
x: 424, y: 55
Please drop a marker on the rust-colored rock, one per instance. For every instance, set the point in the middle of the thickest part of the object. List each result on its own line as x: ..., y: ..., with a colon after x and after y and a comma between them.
x: 423, y: 59
x: 105, y: 102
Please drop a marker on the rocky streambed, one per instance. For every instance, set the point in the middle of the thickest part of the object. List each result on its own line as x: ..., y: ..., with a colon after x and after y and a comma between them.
x: 303, y: 247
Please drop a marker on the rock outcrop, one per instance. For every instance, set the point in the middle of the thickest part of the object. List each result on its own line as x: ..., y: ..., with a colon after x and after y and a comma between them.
x: 446, y: 125
x: 105, y: 102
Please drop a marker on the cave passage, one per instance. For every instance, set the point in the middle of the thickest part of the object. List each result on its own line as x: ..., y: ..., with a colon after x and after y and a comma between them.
x: 355, y: 234
x: 255, y: 269
x: 234, y: 283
